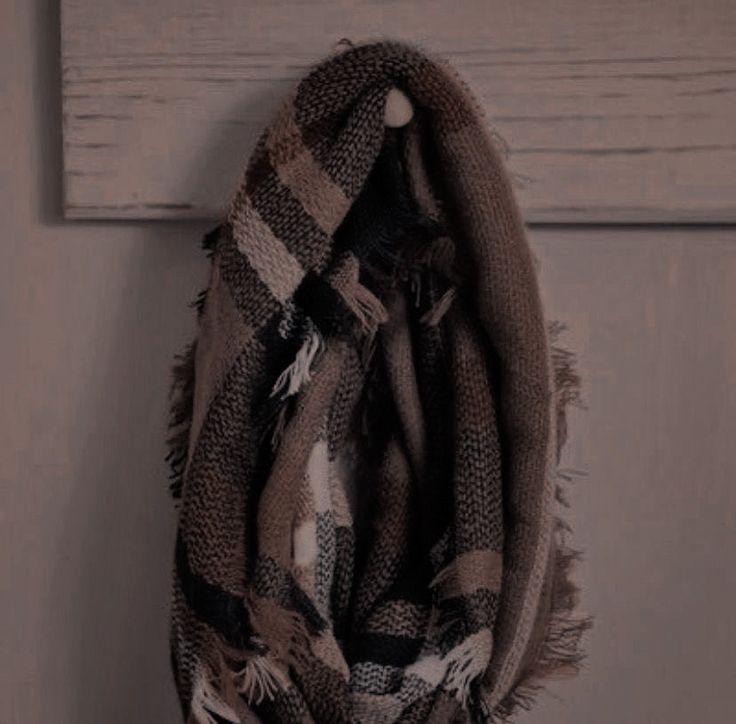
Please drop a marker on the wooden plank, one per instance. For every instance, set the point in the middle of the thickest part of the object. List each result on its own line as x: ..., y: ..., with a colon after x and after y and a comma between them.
x: 615, y: 111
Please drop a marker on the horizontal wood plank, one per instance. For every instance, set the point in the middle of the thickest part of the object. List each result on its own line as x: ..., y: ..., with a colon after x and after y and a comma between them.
x: 612, y: 111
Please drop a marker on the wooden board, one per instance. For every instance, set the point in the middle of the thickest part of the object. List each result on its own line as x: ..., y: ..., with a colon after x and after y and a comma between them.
x: 614, y: 111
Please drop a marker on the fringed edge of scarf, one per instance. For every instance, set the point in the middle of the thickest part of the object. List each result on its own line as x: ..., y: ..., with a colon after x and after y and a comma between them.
x: 181, y: 391
x: 560, y: 653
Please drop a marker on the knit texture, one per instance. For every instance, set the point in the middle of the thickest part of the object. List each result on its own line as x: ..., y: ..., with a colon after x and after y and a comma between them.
x: 366, y: 429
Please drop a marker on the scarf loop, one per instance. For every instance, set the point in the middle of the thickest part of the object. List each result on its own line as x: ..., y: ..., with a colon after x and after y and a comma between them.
x: 366, y: 429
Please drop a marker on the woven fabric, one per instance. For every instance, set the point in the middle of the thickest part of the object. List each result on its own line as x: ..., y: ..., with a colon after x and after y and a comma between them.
x: 367, y: 426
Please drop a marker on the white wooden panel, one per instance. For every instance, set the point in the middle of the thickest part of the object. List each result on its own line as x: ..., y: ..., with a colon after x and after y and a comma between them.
x: 615, y: 110
x: 652, y: 316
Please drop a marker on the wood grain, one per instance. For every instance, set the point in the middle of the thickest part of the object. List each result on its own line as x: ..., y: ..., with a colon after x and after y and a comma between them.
x: 613, y: 111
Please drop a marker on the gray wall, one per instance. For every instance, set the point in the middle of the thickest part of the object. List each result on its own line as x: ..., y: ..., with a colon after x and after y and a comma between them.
x: 91, y: 315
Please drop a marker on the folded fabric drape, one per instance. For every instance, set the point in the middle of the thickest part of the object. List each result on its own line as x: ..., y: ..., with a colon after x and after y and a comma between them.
x: 366, y: 428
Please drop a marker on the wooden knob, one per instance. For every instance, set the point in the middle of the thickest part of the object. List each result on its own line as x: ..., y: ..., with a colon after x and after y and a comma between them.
x: 398, y: 111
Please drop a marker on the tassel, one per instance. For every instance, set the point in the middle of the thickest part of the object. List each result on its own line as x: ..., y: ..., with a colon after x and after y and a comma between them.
x: 208, y: 707
x: 366, y: 306
x: 289, y: 382
x: 434, y: 315
x: 259, y: 679
x: 467, y: 664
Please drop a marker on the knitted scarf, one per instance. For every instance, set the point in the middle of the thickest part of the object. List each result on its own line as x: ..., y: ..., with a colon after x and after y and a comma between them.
x: 366, y: 428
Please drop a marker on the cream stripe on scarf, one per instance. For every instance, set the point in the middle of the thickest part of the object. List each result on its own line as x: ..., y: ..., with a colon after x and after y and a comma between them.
x: 305, y: 543
x: 277, y: 268
x: 341, y: 471
x: 318, y: 473
x: 321, y: 198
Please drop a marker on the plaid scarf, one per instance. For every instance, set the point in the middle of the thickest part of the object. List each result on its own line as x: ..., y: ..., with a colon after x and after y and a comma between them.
x: 366, y: 429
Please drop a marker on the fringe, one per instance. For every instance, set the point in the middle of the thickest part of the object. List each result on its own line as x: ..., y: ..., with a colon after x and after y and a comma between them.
x: 199, y: 302
x: 298, y: 373
x: 208, y: 706
x: 566, y: 382
x: 260, y: 671
x: 259, y: 679
x: 366, y: 307
x: 181, y: 396
x: 181, y: 392
x: 560, y: 653
x: 465, y: 669
x: 434, y: 315
x: 286, y: 631
x: 232, y: 678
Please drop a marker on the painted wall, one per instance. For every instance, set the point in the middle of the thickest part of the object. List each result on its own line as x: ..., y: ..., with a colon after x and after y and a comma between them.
x: 91, y: 315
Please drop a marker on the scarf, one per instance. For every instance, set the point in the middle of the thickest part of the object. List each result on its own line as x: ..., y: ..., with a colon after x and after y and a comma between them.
x: 365, y: 431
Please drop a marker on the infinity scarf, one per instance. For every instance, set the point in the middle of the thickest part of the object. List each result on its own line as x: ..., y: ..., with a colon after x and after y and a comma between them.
x: 365, y: 431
